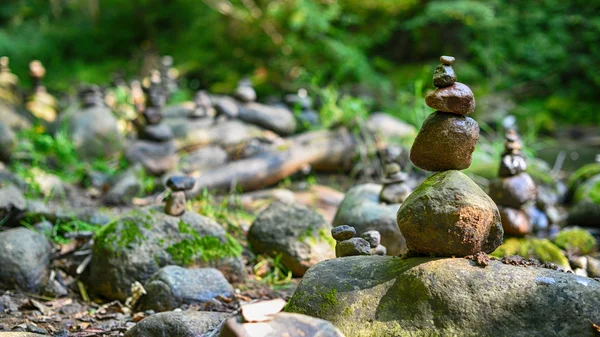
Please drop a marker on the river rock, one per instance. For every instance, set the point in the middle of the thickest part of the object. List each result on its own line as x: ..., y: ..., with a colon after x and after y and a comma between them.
x: 372, y: 296
x: 390, y: 127
x: 203, y: 159
x: 136, y: 246
x: 449, y: 215
x: 158, y: 132
x: 300, y: 235
x: 445, y: 142
x: 456, y: 98
x: 443, y: 76
x: 372, y: 237
x: 362, y: 209
x: 94, y: 132
x: 277, y: 119
x: 352, y: 247
x: 515, y: 221
x: 343, y: 232
x: 8, y: 142
x: 25, y: 258
x: 12, y: 202
x: 281, y: 325
x: 177, y: 324
x: 13, y: 119
x: 157, y: 158
x: 593, y: 267
x: 513, y: 191
x: 180, y: 183
x: 173, y: 286
x: 395, y: 193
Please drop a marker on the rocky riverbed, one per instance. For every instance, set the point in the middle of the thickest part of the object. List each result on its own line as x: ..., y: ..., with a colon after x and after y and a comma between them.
x: 122, y: 214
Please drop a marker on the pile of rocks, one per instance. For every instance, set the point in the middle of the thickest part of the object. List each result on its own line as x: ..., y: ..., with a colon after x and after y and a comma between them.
x: 369, y: 243
x: 176, y: 201
x: 8, y: 83
x: 395, y: 187
x: 514, y: 189
x: 448, y: 214
x: 41, y: 104
x: 156, y: 149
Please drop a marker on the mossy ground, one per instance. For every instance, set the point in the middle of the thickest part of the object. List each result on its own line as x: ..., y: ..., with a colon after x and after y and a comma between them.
x: 540, y: 249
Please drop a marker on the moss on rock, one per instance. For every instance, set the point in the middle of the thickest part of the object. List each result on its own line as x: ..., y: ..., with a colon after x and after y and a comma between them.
x: 577, y: 239
x: 540, y: 249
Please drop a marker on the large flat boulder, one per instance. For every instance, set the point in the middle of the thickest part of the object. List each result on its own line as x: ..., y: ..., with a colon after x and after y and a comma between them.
x: 372, y: 296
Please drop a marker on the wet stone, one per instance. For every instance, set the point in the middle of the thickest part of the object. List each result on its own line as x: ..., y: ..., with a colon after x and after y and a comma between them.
x: 513, y: 191
x: 515, y: 221
x: 443, y: 76
x: 352, y: 247
x: 344, y: 232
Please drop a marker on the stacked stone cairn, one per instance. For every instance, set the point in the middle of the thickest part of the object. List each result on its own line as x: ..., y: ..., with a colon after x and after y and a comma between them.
x: 176, y: 200
x: 168, y: 75
x: 203, y: 106
x: 448, y: 214
x: 244, y: 91
x: 8, y: 83
x: 514, y: 190
x: 41, y: 104
x: 307, y: 115
x: 153, y: 129
x: 369, y: 243
x: 90, y: 96
x: 395, y: 188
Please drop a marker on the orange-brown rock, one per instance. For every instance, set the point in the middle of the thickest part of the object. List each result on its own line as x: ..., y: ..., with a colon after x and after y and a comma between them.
x: 456, y: 98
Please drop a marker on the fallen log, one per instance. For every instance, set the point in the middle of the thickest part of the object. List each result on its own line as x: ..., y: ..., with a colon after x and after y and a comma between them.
x: 324, y: 149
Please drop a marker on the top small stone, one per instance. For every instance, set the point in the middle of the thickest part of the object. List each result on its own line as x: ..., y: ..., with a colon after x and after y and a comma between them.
x: 181, y: 183
x: 448, y: 60
x: 343, y: 232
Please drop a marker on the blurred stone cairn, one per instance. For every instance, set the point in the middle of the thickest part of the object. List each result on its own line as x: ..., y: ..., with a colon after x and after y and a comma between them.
x: 8, y: 83
x: 395, y: 187
x: 369, y: 243
x: 448, y: 214
x: 168, y: 75
x: 40, y: 103
x: 514, y: 188
x: 176, y: 201
x: 155, y: 149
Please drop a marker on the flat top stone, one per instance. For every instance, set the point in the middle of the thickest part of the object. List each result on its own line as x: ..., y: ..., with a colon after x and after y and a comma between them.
x: 181, y: 183
x: 343, y: 232
x: 447, y: 59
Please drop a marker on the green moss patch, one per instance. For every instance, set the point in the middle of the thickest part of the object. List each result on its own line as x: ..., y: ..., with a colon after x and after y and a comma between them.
x: 207, y: 248
x: 576, y: 239
x: 540, y: 249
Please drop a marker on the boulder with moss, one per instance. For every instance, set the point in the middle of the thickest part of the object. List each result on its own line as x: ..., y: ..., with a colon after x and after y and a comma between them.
x: 299, y: 235
x: 581, y: 176
x: 137, y: 245
x: 539, y: 249
x: 577, y: 240
x: 586, y: 204
x: 362, y: 209
x: 372, y: 296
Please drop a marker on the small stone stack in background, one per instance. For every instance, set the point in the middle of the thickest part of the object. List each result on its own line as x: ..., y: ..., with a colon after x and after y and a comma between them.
x: 244, y: 91
x: 347, y: 244
x: 203, y: 106
x: 168, y: 75
x: 9, y: 83
x: 41, y: 104
x: 514, y: 189
x: 395, y: 188
x: 176, y: 201
x: 448, y: 214
x: 156, y: 150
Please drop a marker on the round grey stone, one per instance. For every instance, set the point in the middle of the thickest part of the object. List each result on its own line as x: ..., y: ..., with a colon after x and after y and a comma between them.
x: 343, y: 232
x: 372, y: 237
x: 352, y: 247
x: 447, y: 59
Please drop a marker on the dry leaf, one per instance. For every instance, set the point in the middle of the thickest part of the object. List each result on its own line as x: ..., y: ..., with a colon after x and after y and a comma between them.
x: 596, y: 327
x: 261, y: 311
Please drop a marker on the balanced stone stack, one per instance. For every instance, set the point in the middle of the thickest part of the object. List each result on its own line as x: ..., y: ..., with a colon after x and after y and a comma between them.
x: 153, y: 129
x: 9, y: 82
x: 176, y: 201
x: 395, y: 188
x: 244, y: 91
x: 168, y: 75
x: 203, y: 106
x: 41, y: 104
x: 347, y: 245
x: 514, y: 189
x: 448, y: 214
x: 307, y: 115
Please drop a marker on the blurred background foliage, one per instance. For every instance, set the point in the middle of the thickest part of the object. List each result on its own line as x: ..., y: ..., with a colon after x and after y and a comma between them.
x: 536, y: 59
